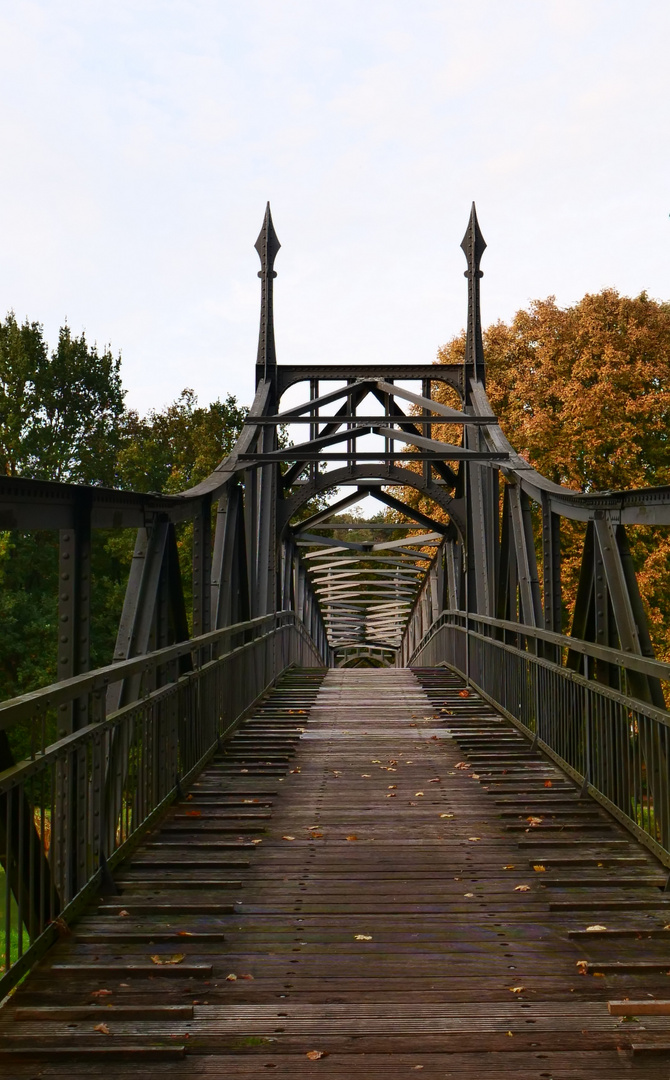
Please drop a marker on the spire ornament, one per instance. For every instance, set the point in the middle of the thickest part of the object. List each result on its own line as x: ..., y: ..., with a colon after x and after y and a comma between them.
x: 267, y: 247
x: 473, y: 246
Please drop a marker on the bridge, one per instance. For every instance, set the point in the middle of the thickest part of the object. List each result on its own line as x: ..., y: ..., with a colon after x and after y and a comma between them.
x: 370, y: 811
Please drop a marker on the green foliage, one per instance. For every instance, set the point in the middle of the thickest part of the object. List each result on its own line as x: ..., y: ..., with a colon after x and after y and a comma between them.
x: 59, y: 411
x: 62, y: 417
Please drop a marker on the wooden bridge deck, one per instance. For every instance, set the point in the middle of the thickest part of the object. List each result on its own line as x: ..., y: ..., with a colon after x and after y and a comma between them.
x: 377, y: 878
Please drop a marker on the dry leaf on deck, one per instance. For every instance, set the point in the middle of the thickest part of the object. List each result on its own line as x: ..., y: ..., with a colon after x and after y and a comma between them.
x: 534, y: 820
x: 102, y: 1028
x: 184, y: 933
x: 101, y: 993
x: 539, y: 869
x: 315, y: 1055
x: 582, y: 966
x: 352, y: 837
x: 461, y: 765
x: 509, y: 866
x: 517, y: 989
x: 124, y: 912
x: 194, y: 813
x: 446, y: 815
x: 231, y: 978
x: 474, y: 839
x: 548, y: 783
x: 522, y: 888
x: 316, y: 835
x: 288, y: 837
x: 362, y: 937
x: 435, y: 780
x: 392, y: 787
x: 464, y: 693
x: 596, y: 926
x: 249, y: 978
x: 417, y: 793
x: 176, y: 958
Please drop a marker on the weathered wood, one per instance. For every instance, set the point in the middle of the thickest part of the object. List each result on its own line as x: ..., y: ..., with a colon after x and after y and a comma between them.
x: 382, y: 910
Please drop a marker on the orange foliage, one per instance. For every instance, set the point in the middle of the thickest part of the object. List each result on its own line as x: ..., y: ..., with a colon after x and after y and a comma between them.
x: 583, y: 393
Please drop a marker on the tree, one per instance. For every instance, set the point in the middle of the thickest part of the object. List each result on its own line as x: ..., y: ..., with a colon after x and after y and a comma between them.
x: 59, y: 412
x: 583, y: 393
x: 62, y: 417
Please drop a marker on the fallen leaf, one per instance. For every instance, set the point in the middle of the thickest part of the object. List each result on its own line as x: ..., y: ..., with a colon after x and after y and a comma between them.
x: 184, y: 933
x: 435, y: 780
x: 468, y: 894
x: 474, y: 839
x: 596, y: 926
x: 392, y: 787
x: 510, y: 1034
x: 522, y: 888
x: 375, y: 761
x: 101, y: 993
x: 249, y: 978
x: 176, y: 958
x: 391, y: 796
x: 509, y: 866
x: 474, y: 776
x: 315, y: 1055
x: 362, y: 937
x: 548, y: 783
x: 417, y: 793
x: 123, y: 913
x: 446, y: 815
x: 517, y: 989
x: 464, y: 693
x: 540, y: 869
x: 598, y: 974
x: 296, y: 769
x: 582, y: 966
x: 534, y: 820
x: 352, y: 837
x: 462, y: 765
x: 231, y: 978
x: 289, y: 837
x: 256, y: 841
x: 194, y: 813
x: 366, y: 775
x: 316, y: 835
x: 102, y: 1028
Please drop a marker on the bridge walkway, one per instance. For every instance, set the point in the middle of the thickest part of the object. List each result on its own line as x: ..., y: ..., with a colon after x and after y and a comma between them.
x: 377, y: 877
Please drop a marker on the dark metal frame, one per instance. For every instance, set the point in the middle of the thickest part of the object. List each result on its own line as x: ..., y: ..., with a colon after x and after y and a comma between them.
x: 460, y: 587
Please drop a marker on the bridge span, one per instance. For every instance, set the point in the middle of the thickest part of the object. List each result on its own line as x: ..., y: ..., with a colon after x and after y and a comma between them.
x: 374, y: 806
x: 378, y: 875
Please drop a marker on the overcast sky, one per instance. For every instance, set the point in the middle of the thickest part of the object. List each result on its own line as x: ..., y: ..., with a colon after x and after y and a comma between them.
x: 140, y: 140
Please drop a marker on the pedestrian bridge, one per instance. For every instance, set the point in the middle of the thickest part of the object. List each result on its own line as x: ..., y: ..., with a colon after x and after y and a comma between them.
x: 371, y: 811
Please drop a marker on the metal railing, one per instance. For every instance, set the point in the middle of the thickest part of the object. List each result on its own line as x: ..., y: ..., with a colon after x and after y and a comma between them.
x: 608, y: 739
x: 75, y: 806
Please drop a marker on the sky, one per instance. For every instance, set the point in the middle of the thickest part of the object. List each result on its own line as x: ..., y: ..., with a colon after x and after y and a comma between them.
x: 140, y: 141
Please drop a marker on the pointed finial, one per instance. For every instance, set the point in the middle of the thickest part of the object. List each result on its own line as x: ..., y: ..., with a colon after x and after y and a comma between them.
x: 473, y: 246
x: 267, y: 247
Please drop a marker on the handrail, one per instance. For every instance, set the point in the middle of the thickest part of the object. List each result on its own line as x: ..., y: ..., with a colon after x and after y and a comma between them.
x: 23, y: 706
x: 658, y: 669
x: 615, y: 745
x: 75, y: 807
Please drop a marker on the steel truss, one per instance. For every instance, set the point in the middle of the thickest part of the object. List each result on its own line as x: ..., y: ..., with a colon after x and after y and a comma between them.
x: 455, y: 582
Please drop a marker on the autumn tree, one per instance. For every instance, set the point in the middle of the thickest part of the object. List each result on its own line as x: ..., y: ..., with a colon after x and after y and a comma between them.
x: 583, y: 392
